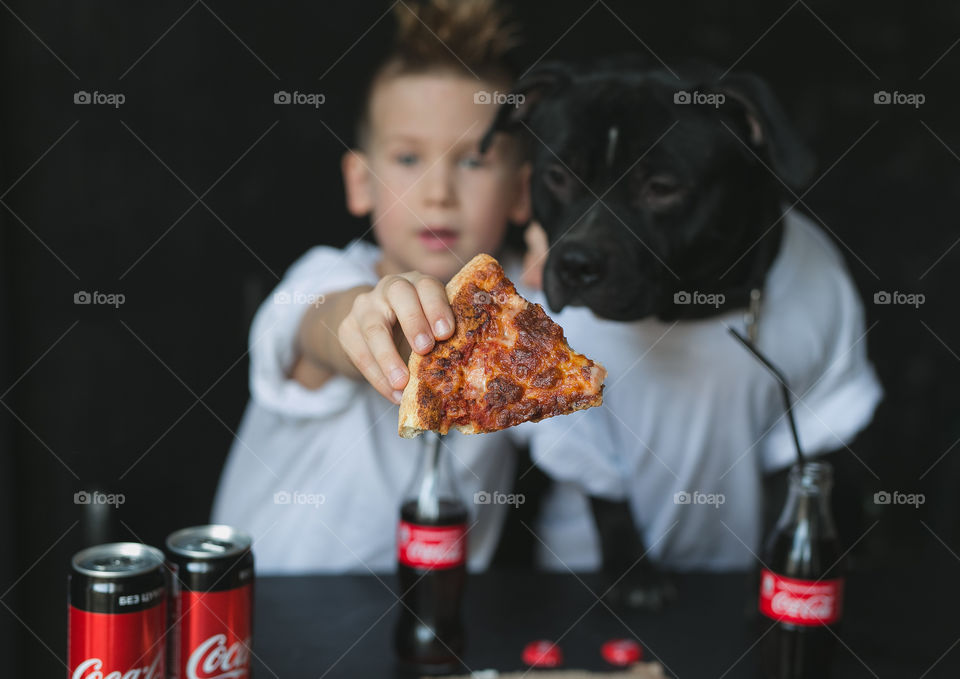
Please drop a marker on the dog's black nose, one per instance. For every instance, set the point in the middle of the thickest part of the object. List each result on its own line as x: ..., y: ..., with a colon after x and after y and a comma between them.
x: 580, y: 267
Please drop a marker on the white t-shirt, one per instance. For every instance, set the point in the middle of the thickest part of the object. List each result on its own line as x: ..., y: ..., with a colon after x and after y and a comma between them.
x: 688, y: 410
x: 317, y: 476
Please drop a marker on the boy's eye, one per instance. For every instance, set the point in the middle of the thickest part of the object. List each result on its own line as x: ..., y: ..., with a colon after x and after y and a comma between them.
x: 406, y: 158
x: 472, y: 161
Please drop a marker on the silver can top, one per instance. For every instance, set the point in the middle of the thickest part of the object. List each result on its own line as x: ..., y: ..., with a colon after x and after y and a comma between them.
x: 208, y: 542
x: 117, y: 560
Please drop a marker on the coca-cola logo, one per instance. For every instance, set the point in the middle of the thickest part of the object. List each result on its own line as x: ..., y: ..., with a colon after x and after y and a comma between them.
x: 92, y: 668
x: 801, y: 602
x: 816, y: 607
x: 431, y: 546
x: 213, y: 659
x: 438, y: 552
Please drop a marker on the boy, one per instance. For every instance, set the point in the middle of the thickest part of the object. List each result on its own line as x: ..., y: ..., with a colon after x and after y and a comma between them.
x: 317, y: 472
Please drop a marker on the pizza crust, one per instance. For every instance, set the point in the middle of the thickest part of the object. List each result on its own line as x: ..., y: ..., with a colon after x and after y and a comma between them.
x: 411, y: 423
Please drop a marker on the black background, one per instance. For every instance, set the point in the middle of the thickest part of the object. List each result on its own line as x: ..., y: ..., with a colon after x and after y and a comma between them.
x: 143, y: 399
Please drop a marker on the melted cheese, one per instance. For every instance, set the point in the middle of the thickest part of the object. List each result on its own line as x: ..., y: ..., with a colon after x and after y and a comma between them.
x: 508, y: 328
x: 475, y: 382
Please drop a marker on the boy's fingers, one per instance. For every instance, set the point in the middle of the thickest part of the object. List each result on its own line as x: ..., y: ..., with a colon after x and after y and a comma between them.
x: 433, y: 300
x: 405, y: 302
x: 354, y: 344
x: 379, y: 341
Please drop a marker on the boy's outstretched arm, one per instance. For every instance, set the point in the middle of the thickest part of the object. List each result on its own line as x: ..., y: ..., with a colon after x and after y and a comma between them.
x: 319, y: 355
x: 355, y: 333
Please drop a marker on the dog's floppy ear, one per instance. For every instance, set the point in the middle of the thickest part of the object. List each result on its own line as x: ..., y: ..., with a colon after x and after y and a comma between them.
x: 542, y: 81
x: 771, y: 134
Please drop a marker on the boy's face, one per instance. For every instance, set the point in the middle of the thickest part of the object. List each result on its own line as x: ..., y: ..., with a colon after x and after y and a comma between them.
x: 435, y: 202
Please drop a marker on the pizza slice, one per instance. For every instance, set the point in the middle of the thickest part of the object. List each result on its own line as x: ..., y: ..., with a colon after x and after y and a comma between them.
x: 507, y: 362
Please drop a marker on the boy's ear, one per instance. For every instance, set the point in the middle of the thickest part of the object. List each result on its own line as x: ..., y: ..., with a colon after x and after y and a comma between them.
x: 522, y: 212
x: 356, y: 182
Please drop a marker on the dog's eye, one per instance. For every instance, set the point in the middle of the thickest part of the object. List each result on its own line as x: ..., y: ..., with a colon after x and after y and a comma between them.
x: 661, y: 191
x: 557, y: 179
x: 662, y: 187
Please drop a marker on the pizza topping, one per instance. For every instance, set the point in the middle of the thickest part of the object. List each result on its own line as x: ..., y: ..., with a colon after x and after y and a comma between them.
x: 535, y: 326
x: 502, y: 391
x: 548, y: 379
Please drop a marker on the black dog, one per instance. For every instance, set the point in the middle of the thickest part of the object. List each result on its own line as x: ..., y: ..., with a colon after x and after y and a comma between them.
x: 648, y: 184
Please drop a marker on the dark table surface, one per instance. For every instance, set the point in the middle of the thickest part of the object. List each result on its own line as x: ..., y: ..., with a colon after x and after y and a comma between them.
x: 898, y: 623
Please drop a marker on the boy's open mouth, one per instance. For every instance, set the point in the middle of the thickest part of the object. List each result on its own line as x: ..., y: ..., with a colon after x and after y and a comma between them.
x: 436, y: 238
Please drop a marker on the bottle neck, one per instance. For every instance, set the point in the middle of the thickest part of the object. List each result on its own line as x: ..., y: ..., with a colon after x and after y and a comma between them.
x: 808, y: 499
x: 428, y: 494
x: 433, y: 491
x: 804, y: 543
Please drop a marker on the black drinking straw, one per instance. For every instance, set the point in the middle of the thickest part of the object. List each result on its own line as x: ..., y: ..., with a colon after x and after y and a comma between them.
x: 787, y: 403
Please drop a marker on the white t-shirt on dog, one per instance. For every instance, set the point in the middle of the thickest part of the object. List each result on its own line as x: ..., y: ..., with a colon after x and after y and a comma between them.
x: 691, y: 421
x: 317, y: 476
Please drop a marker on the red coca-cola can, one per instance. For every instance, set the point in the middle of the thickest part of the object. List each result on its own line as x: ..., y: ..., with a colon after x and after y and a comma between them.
x: 212, y: 612
x: 117, y: 614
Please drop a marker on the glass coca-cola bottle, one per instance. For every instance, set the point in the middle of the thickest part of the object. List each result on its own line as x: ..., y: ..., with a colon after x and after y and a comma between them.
x: 431, y: 567
x: 801, y: 587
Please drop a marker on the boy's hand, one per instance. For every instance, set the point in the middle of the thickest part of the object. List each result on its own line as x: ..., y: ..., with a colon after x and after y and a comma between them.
x: 419, y: 303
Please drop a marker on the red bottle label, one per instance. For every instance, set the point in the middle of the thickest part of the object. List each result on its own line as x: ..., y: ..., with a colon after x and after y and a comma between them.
x: 801, y: 602
x: 117, y: 644
x: 214, y: 634
x: 433, y: 547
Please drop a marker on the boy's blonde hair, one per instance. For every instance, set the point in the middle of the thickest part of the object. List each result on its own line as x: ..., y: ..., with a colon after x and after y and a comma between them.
x: 472, y: 38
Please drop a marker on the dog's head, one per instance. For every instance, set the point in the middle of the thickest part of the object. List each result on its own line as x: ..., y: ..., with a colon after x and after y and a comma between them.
x: 650, y: 185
